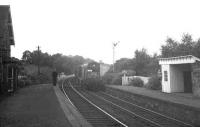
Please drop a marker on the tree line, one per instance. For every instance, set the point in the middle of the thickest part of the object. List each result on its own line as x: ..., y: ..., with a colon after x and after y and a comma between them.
x: 187, y: 46
x: 144, y: 64
x: 141, y: 64
x: 62, y: 63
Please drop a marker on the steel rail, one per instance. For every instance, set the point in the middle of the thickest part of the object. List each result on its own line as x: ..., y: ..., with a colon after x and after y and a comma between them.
x: 141, y: 117
x: 115, y: 119
x: 173, y: 119
x: 66, y: 94
x: 95, y: 106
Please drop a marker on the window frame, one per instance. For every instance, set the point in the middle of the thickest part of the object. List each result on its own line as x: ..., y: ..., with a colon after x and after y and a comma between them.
x: 165, y: 75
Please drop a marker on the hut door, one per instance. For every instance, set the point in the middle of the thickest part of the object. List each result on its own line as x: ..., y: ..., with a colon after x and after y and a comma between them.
x: 187, y: 82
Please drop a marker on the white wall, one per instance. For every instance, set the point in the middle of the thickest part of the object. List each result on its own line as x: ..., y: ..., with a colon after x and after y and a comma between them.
x: 127, y: 79
x: 176, y: 79
x: 166, y: 84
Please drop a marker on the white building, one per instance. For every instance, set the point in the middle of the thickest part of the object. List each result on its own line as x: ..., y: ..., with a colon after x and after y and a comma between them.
x: 126, y: 80
x: 181, y: 74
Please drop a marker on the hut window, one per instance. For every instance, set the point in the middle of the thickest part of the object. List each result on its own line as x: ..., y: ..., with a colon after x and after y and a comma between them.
x: 165, y: 76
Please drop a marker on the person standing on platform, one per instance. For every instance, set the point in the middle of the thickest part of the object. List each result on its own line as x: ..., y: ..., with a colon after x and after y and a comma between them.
x: 54, y: 77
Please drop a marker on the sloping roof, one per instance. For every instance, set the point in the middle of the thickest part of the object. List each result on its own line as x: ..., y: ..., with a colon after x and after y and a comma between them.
x: 4, y: 9
x: 5, y: 17
x: 179, y: 60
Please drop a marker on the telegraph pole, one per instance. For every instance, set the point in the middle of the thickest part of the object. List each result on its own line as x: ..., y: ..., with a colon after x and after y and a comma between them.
x: 38, y: 59
x: 114, y: 45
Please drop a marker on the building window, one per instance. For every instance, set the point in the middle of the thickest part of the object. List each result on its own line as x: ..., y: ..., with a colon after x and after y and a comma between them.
x: 165, y: 76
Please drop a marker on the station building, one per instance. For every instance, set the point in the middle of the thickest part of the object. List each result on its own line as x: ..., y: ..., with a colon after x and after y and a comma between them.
x: 8, y: 69
x: 181, y: 74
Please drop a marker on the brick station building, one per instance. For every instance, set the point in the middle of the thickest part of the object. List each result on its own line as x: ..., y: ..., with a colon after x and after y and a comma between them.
x: 181, y: 74
x: 8, y: 69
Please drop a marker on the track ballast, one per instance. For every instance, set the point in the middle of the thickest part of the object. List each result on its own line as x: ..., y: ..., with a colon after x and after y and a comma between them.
x: 93, y: 114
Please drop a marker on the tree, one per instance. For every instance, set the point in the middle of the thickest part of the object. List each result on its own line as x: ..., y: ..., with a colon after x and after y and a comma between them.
x: 153, y: 66
x: 26, y: 57
x: 196, y: 49
x: 170, y: 49
x: 46, y: 60
x: 142, y: 64
x: 185, y: 47
x: 141, y: 60
x: 123, y: 64
x: 61, y: 63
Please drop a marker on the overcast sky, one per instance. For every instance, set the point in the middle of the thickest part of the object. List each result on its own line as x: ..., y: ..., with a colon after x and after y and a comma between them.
x: 89, y: 27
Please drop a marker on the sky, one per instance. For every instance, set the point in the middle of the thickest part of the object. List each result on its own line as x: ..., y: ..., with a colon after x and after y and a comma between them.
x: 90, y: 27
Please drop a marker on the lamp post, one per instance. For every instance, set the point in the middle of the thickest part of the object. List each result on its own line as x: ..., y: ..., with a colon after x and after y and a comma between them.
x: 114, y: 45
x: 38, y: 59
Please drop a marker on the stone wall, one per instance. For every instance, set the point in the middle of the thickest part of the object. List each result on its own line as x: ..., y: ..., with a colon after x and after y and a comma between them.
x: 196, y: 78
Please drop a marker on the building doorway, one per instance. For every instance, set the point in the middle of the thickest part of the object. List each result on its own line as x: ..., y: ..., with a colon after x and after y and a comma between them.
x: 187, y: 81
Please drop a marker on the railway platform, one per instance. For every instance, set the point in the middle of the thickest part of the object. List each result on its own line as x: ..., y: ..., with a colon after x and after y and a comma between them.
x: 33, y: 106
x: 178, y: 98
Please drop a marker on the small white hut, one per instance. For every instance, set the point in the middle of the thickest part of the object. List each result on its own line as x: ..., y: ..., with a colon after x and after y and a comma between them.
x: 181, y: 74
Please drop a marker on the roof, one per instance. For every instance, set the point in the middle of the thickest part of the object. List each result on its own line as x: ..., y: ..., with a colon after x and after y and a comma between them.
x: 179, y: 60
x: 4, y: 9
x: 5, y: 17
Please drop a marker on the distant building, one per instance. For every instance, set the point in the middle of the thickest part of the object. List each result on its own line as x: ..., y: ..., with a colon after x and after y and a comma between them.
x: 7, y: 70
x: 92, y: 70
x: 181, y: 74
x: 104, y: 68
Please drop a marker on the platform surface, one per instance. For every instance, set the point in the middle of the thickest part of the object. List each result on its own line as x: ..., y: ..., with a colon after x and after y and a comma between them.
x: 180, y: 98
x: 33, y: 106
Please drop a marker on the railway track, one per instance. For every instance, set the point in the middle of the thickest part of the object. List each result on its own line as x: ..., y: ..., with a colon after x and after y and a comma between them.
x: 146, y: 116
x: 92, y: 113
x: 118, y: 107
x: 149, y: 116
x: 153, y: 117
x: 163, y: 119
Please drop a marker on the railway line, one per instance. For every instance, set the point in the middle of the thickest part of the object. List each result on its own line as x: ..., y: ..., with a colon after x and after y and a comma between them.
x: 92, y: 113
x: 128, y: 113
x: 143, y: 113
x: 151, y: 112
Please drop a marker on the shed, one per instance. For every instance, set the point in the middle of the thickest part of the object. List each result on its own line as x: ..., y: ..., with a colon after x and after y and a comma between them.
x: 181, y: 74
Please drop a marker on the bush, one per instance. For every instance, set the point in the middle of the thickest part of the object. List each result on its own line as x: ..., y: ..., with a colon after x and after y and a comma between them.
x: 93, y: 84
x: 112, y: 78
x: 44, y: 77
x: 107, y: 78
x: 154, y: 83
x: 137, y: 82
x: 117, y: 80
